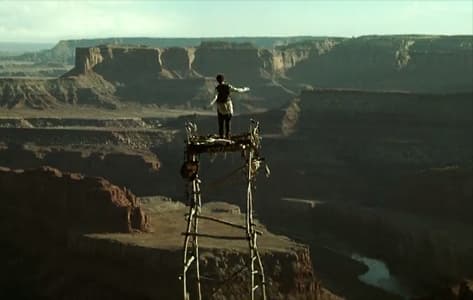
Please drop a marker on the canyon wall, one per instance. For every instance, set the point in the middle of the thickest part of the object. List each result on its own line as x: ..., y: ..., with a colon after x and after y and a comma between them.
x: 413, y: 63
x: 18, y: 93
x: 416, y: 146
x: 64, y: 51
x: 289, y: 274
x: 67, y: 236
x: 120, y: 168
x: 106, y: 75
x: 75, y: 204
x: 393, y: 173
x: 388, y: 127
x: 153, y: 75
x: 116, y: 154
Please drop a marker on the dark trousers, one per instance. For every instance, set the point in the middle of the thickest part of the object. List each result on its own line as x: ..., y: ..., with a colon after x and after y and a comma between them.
x: 224, y: 118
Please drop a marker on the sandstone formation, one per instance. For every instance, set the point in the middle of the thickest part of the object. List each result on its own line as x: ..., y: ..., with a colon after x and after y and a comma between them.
x: 376, y: 150
x: 79, y: 235
x: 123, y: 156
x: 395, y: 163
x: 57, y: 203
x: 108, y: 75
x: 288, y: 267
x: 64, y: 51
x: 394, y: 171
x: 153, y: 75
x: 52, y: 93
x: 410, y: 63
x: 386, y: 128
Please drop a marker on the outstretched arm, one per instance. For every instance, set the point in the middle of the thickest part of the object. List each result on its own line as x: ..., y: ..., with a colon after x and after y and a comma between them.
x: 239, y: 90
x: 213, y: 100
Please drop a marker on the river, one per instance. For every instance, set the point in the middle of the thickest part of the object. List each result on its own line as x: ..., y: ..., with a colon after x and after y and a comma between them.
x: 378, y: 275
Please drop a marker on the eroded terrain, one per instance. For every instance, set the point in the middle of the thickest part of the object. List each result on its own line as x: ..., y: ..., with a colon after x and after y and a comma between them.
x: 370, y: 166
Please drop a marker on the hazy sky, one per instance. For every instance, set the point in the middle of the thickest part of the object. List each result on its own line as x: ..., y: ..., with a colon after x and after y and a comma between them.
x: 49, y: 21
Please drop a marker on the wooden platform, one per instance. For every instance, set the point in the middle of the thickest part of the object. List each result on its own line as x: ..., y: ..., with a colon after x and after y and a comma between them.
x: 212, y: 144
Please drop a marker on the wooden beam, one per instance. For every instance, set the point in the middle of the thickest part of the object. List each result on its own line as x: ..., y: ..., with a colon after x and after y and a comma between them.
x: 212, y: 236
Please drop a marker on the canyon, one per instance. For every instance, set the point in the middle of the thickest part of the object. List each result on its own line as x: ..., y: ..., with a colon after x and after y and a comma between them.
x: 108, y: 75
x: 368, y: 141
x: 80, y: 228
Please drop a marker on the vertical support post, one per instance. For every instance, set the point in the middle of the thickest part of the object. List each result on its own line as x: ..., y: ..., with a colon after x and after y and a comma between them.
x: 191, y: 235
x: 198, y: 204
x: 251, y: 230
x: 187, y: 261
x: 249, y: 224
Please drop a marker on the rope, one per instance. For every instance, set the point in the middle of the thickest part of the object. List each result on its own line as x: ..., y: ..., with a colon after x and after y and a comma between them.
x: 216, y: 183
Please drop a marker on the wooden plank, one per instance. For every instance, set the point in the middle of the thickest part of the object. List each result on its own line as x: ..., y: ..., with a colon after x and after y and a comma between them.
x: 211, y: 144
x: 225, y: 222
x: 211, y: 236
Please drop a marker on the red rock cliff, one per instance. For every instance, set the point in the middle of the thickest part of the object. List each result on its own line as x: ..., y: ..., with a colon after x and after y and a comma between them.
x: 57, y: 203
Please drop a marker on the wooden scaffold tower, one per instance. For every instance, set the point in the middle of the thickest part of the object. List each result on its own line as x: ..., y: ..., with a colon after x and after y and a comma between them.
x: 249, y: 145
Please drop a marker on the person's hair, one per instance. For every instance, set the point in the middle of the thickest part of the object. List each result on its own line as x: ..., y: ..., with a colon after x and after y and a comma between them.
x: 220, y: 78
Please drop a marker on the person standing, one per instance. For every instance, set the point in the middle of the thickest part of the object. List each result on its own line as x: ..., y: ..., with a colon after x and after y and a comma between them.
x: 224, y: 104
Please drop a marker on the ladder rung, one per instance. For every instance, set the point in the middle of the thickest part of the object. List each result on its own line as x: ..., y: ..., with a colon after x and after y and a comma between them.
x: 225, y: 222
x: 256, y: 286
x: 253, y: 258
x: 255, y: 272
x: 188, y: 263
x: 211, y: 236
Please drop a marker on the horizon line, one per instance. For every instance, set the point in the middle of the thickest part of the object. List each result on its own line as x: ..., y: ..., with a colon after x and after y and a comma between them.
x: 239, y: 37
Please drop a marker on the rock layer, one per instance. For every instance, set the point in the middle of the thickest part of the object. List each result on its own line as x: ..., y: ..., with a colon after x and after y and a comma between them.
x: 75, y: 234
x: 57, y: 203
x: 105, y: 75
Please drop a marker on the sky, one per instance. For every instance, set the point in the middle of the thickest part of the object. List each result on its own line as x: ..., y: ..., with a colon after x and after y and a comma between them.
x: 49, y: 21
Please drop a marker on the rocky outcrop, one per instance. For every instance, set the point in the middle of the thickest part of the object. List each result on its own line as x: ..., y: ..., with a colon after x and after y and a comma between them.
x: 386, y: 128
x: 414, y: 151
x: 178, y: 61
x: 17, y: 93
x: 289, y: 56
x: 109, y: 73
x: 414, y: 63
x: 71, y: 236
x: 394, y: 171
x: 59, y: 132
x: 122, y: 150
x: 153, y: 75
x: 288, y: 270
x: 64, y: 51
x: 137, y: 171
x: 118, y: 64
x: 57, y: 203
x: 290, y: 118
x: 53, y: 93
x: 241, y: 63
x: 86, y: 59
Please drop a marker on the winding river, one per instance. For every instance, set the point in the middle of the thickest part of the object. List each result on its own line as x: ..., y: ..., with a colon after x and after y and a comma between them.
x: 378, y: 275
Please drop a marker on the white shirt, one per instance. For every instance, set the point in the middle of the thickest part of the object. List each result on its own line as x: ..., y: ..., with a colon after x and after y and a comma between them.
x: 226, y: 108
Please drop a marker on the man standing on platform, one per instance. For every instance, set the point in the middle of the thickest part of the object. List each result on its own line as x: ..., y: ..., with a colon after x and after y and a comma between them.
x: 224, y: 104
